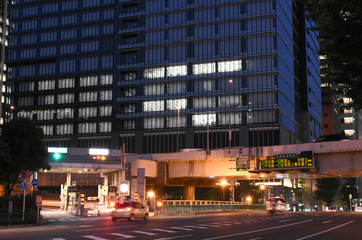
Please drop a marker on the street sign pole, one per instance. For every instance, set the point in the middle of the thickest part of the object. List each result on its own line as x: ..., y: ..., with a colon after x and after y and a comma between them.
x: 24, y: 206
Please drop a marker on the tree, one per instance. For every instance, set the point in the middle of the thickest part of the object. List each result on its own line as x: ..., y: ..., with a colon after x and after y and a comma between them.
x: 349, y: 187
x: 326, y: 189
x: 340, y: 31
x: 21, y: 148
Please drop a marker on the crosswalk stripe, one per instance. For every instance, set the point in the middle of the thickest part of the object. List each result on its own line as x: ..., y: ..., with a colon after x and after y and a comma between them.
x: 196, y: 227
x: 164, y: 230
x: 122, y: 235
x: 209, y: 225
x: 181, y: 228
x: 58, y: 239
x: 224, y: 224
x: 94, y: 237
x: 146, y: 233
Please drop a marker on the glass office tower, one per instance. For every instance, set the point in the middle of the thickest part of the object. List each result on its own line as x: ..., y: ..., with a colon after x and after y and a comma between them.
x: 61, y: 68
x: 4, y: 32
x: 215, y: 74
x: 164, y: 75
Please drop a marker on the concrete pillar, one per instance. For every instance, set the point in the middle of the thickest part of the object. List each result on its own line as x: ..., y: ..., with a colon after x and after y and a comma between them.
x: 69, y: 179
x: 189, y: 193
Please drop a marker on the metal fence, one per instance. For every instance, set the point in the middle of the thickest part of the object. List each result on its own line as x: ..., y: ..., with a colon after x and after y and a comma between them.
x: 192, y: 207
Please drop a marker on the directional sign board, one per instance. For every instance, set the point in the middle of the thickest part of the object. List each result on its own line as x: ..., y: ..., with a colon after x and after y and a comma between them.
x: 23, y: 175
x: 35, y: 182
x: 242, y: 163
x: 23, y: 186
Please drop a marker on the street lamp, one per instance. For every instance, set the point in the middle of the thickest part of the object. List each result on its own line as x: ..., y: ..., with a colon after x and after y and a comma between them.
x: 151, y: 196
x: 248, y: 199
x: 178, y: 128
x: 223, y: 183
x: 230, y: 133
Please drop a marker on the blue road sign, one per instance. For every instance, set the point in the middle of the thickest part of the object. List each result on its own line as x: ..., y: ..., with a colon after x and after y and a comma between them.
x: 35, y: 182
x: 23, y: 175
x: 23, y: 186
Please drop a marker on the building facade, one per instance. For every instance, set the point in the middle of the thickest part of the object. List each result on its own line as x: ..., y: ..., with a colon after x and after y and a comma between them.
x: 164, y: 75
x: 4, y: 31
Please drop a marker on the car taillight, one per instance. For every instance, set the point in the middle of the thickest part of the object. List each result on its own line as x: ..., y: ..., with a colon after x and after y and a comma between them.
x: 279, y: 201
x: 267, y: 201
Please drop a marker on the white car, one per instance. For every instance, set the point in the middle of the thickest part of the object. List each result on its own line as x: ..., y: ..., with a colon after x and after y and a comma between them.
x: 276, y: 204
x: 129, y: 210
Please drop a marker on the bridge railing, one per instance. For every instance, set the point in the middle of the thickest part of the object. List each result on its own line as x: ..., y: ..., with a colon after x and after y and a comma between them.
x: 200, y: 206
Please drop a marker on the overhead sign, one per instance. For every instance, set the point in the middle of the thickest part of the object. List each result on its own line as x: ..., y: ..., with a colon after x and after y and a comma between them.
x: 287, y: 161
x: 38, y: 200
x: 23, y: 186
x: 242, y: 163
x: 35, y: 182
x: 23, y: 175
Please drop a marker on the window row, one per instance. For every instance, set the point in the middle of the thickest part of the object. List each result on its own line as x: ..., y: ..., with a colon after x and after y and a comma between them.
x: 204, y: 119
x: 64, y: 129
x: 67, y: 113
x: 103, y: 95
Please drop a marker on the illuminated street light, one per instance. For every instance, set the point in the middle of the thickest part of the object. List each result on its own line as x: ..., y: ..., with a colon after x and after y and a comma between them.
x: 248, y: 199
x: 150, y: 194
x: 262, y: 187
x: 178, y: 128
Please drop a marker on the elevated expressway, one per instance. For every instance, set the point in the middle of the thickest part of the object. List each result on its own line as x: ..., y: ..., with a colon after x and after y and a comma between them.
x: 190, y: 168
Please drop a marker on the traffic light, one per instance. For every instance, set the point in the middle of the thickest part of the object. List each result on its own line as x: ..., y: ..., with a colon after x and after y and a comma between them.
x: 82, y: 199
x: 136, y: 196
x: 56, y: 153
x: 99, y: 157
x: 56, y: 156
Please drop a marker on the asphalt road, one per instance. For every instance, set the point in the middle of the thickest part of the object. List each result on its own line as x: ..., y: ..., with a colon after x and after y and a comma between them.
x: 244, y: 225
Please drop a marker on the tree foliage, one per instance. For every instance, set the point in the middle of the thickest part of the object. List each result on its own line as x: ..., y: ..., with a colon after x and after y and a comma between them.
x: 21, y: 149
x: 340, y: 31
x: 326, y: 189
x: 349, y: 187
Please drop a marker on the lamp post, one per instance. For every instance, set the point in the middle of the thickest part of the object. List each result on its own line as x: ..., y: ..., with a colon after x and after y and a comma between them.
x: 178, y: 128
x: 230, y: 133
x: 223, y: 183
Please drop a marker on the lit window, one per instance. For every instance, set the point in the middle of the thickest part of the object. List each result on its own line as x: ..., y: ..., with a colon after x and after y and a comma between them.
x: 230, y: 66
x: 203, y: 68
x: 152, y: 106
x: 204, y: 119
x: 347, y: 100
x: 347, y: 111
x: 175, y: 71
x: 154, y: 73
x: 173, y: 104
x: 348, y: 120
x: 349, y: 132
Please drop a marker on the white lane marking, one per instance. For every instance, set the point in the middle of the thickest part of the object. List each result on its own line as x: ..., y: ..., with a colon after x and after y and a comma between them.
x: 58, y: 239
x: 96, y: 229
x: 195, y: 227
x: 330, y: 229
x: 94, y: 237
x: 238, y: 223
x: 122, y: 235
x: 164, y: 230
x: 223, y: 224
x: 327, y: 221
x: 181, y: 236
x: 84, y: 226
x: 52, y: 220
x: 145, y: 233
x: 209, y: 225
x: 286, y: 220
x: 180, y: 228
x: 255, y: 238
x: 259, y: 230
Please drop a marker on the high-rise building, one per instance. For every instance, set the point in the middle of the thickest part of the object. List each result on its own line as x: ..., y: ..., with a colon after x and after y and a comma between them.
x: 4, y: 31
x: 165, y: 75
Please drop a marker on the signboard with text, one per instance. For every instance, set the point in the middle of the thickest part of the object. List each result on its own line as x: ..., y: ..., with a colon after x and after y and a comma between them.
x: 287, y: 161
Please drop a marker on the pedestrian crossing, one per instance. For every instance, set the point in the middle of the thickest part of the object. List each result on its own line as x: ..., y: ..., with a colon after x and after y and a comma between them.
x: 172, y: 229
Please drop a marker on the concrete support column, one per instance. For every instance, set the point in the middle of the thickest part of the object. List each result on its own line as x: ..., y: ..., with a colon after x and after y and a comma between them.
x: 69, y: 179
x: 189, y: 193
